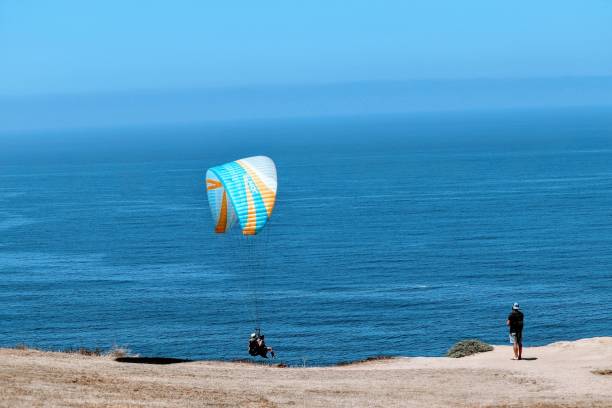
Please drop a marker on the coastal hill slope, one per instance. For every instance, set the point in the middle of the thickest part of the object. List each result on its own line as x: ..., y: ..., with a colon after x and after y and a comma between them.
x: 563, y: 374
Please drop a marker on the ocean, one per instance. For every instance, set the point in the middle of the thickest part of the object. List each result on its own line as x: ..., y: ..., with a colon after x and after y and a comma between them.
x: 391, y: 235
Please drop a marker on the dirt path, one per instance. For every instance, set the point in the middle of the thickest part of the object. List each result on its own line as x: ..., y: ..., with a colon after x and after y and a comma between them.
x: 557, y: 375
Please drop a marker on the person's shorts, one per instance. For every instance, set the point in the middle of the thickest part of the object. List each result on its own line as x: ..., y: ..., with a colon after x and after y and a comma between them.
x: 516, y: 337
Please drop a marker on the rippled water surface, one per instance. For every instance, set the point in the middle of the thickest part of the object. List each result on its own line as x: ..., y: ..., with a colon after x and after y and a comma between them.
x: 390, y: 236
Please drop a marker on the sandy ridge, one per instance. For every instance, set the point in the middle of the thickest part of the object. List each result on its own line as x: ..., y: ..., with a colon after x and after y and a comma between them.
x: 556, y: 375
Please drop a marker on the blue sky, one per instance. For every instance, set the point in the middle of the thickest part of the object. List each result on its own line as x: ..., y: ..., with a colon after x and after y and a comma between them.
x: 65, y: 46
x: 79, y: 64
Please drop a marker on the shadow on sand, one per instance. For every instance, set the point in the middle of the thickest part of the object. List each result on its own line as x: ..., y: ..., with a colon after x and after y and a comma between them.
x: 529, y: 358
x: 151, y: 360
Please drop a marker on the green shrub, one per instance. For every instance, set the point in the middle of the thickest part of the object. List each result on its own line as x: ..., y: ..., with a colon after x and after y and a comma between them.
x: 467, y: 348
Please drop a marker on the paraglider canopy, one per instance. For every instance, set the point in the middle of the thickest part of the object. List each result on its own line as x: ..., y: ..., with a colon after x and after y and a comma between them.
x: 242, y: 192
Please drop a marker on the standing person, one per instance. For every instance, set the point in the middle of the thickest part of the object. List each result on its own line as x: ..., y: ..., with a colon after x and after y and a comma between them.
x: 515, y: 323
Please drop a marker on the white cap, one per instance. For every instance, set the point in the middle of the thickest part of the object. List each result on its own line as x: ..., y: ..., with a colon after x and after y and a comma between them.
x: 253, y: 335
x: 515, y: 306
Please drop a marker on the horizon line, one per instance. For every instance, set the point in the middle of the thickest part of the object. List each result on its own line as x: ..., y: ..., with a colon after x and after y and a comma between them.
x: 293, y: 85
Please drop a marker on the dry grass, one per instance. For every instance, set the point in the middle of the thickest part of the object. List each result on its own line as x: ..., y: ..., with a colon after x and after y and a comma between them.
x: 553, y: 405
x: 83, y: 351
x: 364, y: 360
x: 113, y: 352
x: 119, y: 352
x: 560, y: 377
x: 590, y: 404
x: 265, y: 363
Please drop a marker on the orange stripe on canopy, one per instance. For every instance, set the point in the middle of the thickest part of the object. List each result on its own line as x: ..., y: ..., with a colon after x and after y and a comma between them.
x: 222, y: 223
x: 213, y: 184
x: 267, y: 195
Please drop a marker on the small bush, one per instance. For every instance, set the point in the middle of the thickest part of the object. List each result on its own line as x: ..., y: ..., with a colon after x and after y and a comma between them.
x: 467, y: 348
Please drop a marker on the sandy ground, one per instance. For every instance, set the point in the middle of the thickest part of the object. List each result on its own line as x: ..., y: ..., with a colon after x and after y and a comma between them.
x: 557, y: 375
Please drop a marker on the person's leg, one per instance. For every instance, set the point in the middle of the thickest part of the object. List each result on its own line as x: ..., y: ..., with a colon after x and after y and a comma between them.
x: 515, y: 349
x: 520, y: 349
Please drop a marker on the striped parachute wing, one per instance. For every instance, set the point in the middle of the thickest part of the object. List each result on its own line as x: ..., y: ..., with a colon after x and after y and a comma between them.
x: 244, y: 191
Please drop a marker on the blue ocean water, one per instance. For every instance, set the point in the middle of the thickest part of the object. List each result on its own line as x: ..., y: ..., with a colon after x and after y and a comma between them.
x: 391, y: 235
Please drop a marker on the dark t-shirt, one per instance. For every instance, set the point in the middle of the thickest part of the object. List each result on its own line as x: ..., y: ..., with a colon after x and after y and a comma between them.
x: 516, y: 321
x: 263, y: 350
x: 253, y: 347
